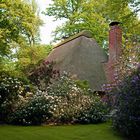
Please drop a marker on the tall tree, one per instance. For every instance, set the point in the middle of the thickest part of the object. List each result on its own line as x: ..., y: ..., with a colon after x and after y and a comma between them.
x: 126, y: 12
x: 94, y: 16
x: 19, y: 28
x: 16, y: 24
x: 79, y: 15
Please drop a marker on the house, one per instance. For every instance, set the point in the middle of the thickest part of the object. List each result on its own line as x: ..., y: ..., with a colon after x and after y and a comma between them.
x: 83, y: 58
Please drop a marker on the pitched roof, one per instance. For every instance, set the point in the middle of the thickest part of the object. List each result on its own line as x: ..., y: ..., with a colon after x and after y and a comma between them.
x: 81, y: 56
x: 83, y: 33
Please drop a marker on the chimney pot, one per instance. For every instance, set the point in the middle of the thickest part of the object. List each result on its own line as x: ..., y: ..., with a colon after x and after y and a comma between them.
x: 114, y: 23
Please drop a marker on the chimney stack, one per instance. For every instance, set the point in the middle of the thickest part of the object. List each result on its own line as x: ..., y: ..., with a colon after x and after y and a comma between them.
x: 115, y: 41
x: 115, y: 49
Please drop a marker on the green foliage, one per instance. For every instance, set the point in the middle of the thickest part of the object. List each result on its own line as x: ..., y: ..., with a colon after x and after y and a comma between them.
x: 19, y: 27
x: 79, y: 15
x: 30, y: 57
x: 127, y: 15
x: 17, y: 18
x: 83, y: 84
x: 126, y: 118
x: 121, y: 6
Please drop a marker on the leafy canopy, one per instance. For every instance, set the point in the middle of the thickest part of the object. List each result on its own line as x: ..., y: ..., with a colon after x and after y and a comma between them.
x: 18, y: 23
x: 94, y: 16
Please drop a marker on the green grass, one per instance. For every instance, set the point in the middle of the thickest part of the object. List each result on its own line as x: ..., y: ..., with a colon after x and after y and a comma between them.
x: 75, y: 132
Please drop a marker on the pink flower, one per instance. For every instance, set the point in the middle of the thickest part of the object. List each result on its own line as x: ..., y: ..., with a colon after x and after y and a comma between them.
x: 47, y: 62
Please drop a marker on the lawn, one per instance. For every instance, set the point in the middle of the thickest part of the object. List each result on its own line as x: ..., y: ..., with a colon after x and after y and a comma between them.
x: 74, y: 132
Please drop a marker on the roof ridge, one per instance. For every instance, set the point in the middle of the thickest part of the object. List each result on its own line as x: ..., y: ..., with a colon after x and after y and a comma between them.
x: 85, y: 33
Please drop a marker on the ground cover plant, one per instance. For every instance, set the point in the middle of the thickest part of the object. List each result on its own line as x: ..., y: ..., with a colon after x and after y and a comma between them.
x: 71, y: 132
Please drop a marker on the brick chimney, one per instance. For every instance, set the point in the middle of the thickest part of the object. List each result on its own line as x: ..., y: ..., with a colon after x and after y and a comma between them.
x: 115, y: 45
x: 115, y: 41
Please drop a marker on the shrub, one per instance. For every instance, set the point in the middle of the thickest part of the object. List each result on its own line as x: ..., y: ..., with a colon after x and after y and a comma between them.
x: 96, y: 112
x: 11, y: 87
x: 75, y: 104
x: 42, y: 75
x: 63, y: 102
x: 34, y: 112
x: 126, y: 118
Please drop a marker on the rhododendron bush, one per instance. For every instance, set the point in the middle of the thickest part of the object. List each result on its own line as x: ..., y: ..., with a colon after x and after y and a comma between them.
x: 62, y: 103
x: 12, y: 90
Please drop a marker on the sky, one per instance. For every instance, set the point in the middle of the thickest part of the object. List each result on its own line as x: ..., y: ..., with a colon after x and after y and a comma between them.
x: 49, y: 24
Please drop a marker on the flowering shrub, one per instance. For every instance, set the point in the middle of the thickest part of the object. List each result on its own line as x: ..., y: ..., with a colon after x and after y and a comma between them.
x: 74, y: 104
x: 11, y: 88
x: 35, y: 111
x: 126, y: 118
x: 95, y: 113
x: 63, y: 102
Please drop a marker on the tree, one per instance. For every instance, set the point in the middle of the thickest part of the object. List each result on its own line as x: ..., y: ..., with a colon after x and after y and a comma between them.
x: 16, y: 24
x: 94, y: 16
x: 79, y: 15
x: 19, y: 31
x: 120, y: 5
x: 34, y: 36
x: 125, y: 12
x: 29, y: 57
